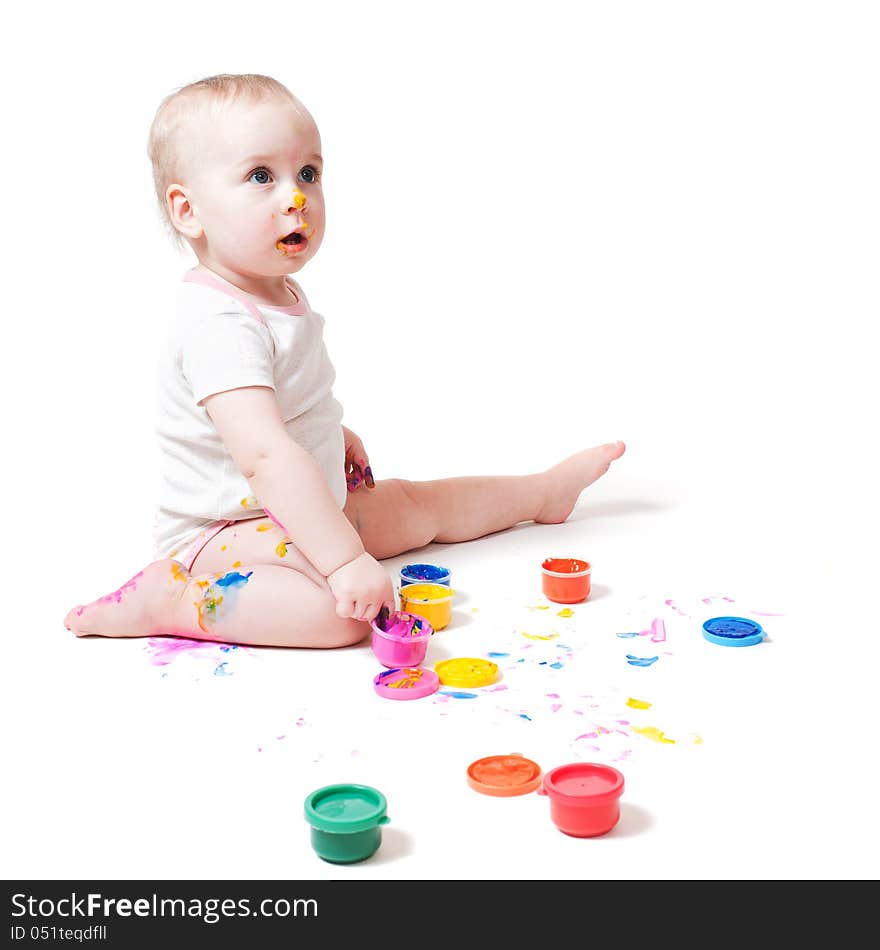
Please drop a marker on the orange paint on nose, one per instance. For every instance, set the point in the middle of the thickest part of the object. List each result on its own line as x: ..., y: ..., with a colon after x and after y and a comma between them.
x: 299, y: 200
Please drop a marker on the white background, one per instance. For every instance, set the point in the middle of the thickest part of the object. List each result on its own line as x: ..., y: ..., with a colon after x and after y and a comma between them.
x: 549, y: 225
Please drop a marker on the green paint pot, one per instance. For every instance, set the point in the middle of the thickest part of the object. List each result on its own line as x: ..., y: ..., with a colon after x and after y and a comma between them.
x: 346, y: 822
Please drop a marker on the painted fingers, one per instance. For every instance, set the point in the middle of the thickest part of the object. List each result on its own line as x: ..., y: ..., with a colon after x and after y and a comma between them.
x: 358, y: 473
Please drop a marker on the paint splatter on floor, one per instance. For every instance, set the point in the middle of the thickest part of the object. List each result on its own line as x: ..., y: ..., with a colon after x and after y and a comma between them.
x: 641, y: 660
x: 653, y: 733
x: 638, y: 703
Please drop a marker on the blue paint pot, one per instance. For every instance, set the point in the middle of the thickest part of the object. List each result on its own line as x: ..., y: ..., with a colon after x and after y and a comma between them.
x: 425, y: 574
x: 733, y: 631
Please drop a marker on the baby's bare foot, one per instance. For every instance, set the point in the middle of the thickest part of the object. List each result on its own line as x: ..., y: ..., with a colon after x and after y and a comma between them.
x: 565, y: 481
x: 137, y: 609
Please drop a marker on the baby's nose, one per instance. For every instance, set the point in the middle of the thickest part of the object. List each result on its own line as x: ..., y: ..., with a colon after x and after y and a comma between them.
x: 297, y: 202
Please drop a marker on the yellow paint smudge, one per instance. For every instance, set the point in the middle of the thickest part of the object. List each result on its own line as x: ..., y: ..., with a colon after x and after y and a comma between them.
x: 566, y: 612
x: 178, y: 573
x: 281, y: 547
x: 249, y: 502
x: 203, y: 583
x: 540, y: 607
x: 222, y: 547
x: 299, y: 200
x: 638, y: 703
x: 237, y: 564
x: 264, y: 527
x: 537, y: 636
x: 653, y: 733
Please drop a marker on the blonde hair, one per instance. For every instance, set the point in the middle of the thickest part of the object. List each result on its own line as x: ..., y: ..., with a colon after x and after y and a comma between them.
x: 164, y: 145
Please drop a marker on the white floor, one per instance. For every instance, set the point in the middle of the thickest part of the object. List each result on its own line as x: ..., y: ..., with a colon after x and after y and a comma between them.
x: 136, y: 764
x: 653, y: 222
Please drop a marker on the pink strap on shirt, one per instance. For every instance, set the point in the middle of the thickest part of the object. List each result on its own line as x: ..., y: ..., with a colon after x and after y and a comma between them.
x: 207, y: 279
x: 210, y: 280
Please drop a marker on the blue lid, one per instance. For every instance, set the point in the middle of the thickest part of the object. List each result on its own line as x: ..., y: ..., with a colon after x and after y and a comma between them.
x: 430, y: 573
x: 733, y: 631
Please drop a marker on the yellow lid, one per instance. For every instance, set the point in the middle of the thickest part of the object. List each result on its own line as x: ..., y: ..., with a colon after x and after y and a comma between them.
x: 466, y: 671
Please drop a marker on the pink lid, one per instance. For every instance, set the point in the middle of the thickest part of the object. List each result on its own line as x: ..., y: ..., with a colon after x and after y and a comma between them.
x: 587, y: 783
x: 406, y: 682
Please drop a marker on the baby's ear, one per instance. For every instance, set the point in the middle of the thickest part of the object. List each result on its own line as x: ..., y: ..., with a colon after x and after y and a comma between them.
x: 181, y: 212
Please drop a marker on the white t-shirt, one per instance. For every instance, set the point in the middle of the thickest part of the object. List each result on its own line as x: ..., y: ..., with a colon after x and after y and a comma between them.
x: 217, y: 342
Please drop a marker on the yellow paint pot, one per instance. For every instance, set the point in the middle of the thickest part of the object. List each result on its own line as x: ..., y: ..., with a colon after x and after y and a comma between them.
x: 431, y: 601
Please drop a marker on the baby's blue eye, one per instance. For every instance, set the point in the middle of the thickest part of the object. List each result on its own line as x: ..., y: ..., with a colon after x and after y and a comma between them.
x: 261, y: 176
x: 308, y: 174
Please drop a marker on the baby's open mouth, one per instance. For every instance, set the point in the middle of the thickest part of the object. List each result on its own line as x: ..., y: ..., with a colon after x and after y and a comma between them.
x: 293, y: 243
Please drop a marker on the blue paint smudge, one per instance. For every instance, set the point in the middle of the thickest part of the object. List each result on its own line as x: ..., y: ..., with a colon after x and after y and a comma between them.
x: 221, y: 596
x: 556, y: 666
x: 524, y: 716
x: 641, y: 660
x: 499, y: 654
x: 232, y: 579
x: 220, y: 670
x: 458, y: 694
x: 627, y: 635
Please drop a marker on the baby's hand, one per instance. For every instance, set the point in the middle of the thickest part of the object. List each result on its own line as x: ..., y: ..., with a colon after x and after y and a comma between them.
x: 361, y: 588
x: 357, y: 462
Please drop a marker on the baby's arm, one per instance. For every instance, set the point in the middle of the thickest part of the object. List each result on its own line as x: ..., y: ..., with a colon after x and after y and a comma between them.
x: 289, y: 483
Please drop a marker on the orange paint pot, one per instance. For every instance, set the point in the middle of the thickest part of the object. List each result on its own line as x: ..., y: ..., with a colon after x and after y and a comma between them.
x: 565, y: 580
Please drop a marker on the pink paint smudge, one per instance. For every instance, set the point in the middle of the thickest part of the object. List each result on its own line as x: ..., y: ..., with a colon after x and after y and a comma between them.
x: 163, y: 650
x: 678, y: 610
x: 116, y: 596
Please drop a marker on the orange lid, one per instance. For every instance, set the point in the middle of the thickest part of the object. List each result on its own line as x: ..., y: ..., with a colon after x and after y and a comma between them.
x: 504, y: 775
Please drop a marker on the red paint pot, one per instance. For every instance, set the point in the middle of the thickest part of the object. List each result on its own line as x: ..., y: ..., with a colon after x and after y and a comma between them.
x: 565, y: 580
x: 584, y: 798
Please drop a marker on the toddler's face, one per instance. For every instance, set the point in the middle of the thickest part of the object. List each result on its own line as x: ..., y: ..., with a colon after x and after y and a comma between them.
x: 254, y: 182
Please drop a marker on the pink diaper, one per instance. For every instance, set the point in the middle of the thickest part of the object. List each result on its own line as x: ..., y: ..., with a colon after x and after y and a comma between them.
x: 188, y: 556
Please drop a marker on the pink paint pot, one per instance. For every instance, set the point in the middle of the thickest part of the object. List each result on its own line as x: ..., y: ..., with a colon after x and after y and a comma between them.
x: 565, y: 580
x: 584, y: 798
x: 400, y: 639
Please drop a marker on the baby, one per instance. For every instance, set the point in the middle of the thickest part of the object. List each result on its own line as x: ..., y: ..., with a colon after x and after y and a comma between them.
x: 270, y: 526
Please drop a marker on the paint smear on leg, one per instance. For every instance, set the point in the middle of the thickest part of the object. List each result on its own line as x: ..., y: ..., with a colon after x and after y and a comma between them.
x: 220, y: 598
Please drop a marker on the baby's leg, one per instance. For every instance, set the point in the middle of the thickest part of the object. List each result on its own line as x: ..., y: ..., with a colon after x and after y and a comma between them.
x: 398, y: 516
x: 262, y: 605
